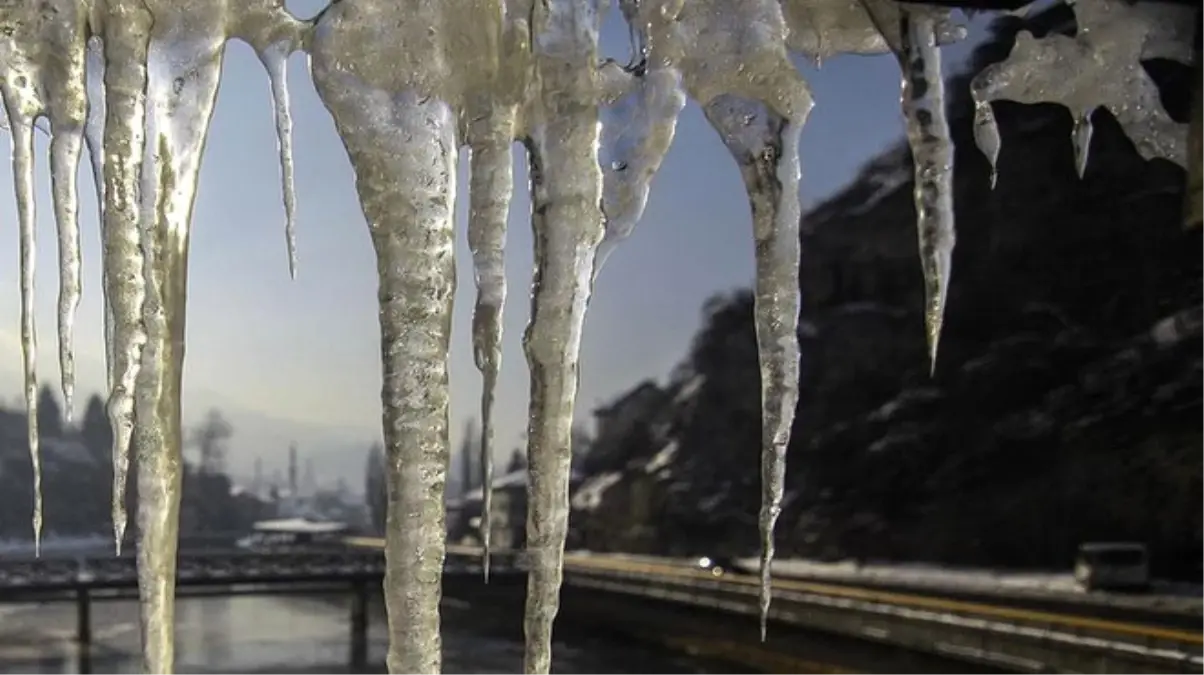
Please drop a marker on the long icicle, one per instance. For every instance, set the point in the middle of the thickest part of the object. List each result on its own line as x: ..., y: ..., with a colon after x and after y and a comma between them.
x: 275, y: 61
x: 65, y: 149
x: 923, y: 100
x: 492, y: 182
x: 566, y: 220
x: 21, y: 124
x: 183, y: 91
x: 126, y: 44
x: 765, y: 146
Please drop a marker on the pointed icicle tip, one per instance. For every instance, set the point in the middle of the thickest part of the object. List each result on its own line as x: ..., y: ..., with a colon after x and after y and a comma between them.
x: 1082, y: 142
x: 934, y: 320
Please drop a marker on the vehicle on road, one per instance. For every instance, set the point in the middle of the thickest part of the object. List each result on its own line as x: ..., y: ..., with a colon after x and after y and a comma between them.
x: 718, y: 565
x: 1112, y: 566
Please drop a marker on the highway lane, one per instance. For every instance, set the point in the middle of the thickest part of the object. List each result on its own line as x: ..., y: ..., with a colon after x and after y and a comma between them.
x: 1124, y: 623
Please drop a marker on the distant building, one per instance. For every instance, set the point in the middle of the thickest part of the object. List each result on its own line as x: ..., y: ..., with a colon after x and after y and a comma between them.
x: 508, y: 527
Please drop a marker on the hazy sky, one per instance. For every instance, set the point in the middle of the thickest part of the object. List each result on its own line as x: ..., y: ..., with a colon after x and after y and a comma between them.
x: 299, y: 359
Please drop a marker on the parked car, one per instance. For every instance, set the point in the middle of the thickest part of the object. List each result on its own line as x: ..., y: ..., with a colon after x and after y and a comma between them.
x: 1112, y: 566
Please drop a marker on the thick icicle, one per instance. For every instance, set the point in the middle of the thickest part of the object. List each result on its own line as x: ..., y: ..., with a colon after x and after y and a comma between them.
x: 126, y: 43
x: 396, y: 80
x: 183, y: 78
x: 566, y: 219
x: 275, y: 61
x: 21, y: 108
x: 932, y: 156
x: 492, y: 182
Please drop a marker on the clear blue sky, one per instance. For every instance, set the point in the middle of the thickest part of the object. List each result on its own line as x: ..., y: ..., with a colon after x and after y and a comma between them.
x: 299, y: 360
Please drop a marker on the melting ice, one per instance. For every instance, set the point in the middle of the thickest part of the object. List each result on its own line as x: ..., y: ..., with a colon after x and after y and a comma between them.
x: 136, y: 80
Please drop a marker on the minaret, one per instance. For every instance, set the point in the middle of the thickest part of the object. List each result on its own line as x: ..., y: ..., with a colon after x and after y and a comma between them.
x: 257, y: 481
x: 292, y: 469
x: 308, y: 481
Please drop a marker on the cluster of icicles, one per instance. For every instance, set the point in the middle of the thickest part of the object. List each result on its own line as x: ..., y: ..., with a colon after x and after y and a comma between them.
x: 408, y: 83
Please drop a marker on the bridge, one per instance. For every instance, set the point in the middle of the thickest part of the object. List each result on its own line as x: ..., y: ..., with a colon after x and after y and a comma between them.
x: 676, y: 604
x: 84, y: 579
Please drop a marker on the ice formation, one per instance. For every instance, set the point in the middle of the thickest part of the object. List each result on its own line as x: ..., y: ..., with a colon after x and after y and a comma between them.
x: 408, y: 86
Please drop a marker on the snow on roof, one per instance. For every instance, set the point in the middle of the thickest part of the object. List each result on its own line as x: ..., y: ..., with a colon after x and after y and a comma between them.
x: 589, y: 497
x: 514, y: 479
x: 299, y: 525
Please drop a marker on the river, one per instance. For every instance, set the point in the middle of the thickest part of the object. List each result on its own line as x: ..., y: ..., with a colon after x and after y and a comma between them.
x: 289, y: 634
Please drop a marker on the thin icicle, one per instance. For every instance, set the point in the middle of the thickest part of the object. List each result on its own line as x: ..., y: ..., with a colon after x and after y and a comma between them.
x: 18, y: 104
x: 492, y: 182
x: 66, y: 92
x: 275, y: 61
x: 932, y: 155
x: 126, y: 43
x: 65, y: 148
x: 765, y: 145
x: 734, y: 59
x: 94, y: 138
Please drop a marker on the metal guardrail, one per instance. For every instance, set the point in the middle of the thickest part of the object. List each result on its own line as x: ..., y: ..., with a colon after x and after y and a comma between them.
x: 1012, y: 637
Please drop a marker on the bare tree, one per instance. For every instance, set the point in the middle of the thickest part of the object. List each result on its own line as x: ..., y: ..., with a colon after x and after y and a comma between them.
x: 209, y: 438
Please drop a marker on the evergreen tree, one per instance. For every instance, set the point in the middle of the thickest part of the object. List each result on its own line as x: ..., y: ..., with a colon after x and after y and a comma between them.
x: 375, y: 487
x: 50, y: 413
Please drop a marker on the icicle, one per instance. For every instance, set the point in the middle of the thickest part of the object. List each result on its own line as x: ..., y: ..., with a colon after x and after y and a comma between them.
x: 986, y: 136
x: 21, y: 109
x: 1082, y: 142
x: 182, y: 84
x: 126, y: 43
x: 275, y: 61
x: 1105, y: 55
x: 403, y: 148
x: 94, y: 137
x: 733, y: 58
x: 566, y: 218
x: 932, y: 154
x: 765, y: 146
x: 66, y: 146
x: 636, y: 136
x: 491, y: 185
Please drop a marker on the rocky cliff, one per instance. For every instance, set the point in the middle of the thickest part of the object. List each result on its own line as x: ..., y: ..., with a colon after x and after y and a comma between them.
x: 1066, y: 404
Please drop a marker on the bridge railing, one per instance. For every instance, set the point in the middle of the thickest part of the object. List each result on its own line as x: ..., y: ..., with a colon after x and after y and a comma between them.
x: 210, y: 567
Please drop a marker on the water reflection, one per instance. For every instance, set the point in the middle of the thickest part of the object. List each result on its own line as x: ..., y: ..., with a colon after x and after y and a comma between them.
x: 281, y: 634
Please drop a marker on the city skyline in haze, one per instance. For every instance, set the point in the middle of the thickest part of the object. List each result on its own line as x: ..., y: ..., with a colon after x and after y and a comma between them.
x: 300, y: 360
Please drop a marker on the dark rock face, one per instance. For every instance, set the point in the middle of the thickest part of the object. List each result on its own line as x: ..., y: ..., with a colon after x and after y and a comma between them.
x: 1066, y: 405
